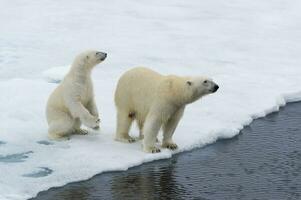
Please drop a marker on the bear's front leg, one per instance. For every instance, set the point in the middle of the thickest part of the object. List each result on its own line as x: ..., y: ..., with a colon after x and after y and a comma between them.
x: 151, y: 129
x: 169, y: 129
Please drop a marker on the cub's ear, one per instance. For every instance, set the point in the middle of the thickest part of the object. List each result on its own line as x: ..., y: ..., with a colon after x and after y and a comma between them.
x: 189, y: 83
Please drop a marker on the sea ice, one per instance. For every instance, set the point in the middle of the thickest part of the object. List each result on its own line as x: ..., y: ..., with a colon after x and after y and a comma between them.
x: 251, y: 49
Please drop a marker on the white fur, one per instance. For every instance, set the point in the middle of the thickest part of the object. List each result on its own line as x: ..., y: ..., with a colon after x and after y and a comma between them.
x: 155, y: 101
x: 72, y: 102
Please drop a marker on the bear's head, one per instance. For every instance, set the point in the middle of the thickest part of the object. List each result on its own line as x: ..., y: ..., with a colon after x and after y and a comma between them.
x: 90, y: 58
x: 197, y: 87
x: 185, y: 90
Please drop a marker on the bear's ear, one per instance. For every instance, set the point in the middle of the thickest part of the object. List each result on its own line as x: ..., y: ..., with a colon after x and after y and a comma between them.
x: 189, y: 83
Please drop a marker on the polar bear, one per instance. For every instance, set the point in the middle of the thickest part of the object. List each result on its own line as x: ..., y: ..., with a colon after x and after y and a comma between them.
x: 155, y: 101
x: 72, y: 102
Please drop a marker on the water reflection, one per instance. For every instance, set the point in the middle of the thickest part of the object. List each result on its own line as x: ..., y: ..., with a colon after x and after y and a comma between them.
x: 156, y: 181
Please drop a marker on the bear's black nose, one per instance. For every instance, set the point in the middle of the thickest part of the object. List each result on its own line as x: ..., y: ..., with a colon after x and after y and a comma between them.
x: 215, y: 88
x: 102, y: 55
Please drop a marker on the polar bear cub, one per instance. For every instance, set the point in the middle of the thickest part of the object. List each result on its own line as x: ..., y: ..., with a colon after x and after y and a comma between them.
x: 155, y: 101
x: 72, y: 102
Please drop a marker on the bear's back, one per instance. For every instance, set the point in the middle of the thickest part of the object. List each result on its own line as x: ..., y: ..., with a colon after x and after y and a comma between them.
x: 137, y: 88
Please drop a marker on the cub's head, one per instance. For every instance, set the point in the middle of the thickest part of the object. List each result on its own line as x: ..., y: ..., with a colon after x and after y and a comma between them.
x: 90, y: 58
x: 196, y: 87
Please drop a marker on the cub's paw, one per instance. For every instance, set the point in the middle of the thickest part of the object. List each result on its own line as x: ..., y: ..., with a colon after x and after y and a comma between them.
x: 92, y: 122
x: 58, y: 137
x: 126, y: 140
x: 151, y: 150
x: 96, y: 128
x: 81, y: 132
x: 171, y: 146
x: 97, y: 122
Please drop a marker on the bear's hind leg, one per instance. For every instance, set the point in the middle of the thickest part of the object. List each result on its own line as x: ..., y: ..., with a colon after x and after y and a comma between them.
x: 140, y: 126
x: 124, y: 122
x: 61, y: 127
x: 151, y: 129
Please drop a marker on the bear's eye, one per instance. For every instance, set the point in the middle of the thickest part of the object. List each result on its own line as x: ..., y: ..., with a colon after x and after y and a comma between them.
x: 205, y: 81
x: 189, y: 82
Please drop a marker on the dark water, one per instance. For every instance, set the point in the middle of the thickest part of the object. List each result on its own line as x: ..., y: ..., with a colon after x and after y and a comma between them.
x: 262, y: 162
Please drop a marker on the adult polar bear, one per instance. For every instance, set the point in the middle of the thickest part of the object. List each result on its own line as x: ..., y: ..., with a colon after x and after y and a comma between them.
x: 155, y: 101
x: 72, y: 102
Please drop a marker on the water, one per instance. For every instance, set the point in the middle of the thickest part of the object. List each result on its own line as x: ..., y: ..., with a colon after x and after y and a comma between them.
x: 12, y: 158
x: 41, y: 172
x: 262, y: 162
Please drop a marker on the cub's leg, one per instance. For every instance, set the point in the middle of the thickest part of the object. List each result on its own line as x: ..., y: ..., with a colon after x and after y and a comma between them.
x: 169, y: 129
x: 76, y: 128
x: 124, y: 122
x: 77, y: 110
x: 60, y: 125
x: 92, y: 108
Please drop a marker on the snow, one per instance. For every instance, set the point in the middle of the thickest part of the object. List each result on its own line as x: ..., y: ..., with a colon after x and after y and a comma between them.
x: 56, y: 74
x: 251, y: 49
